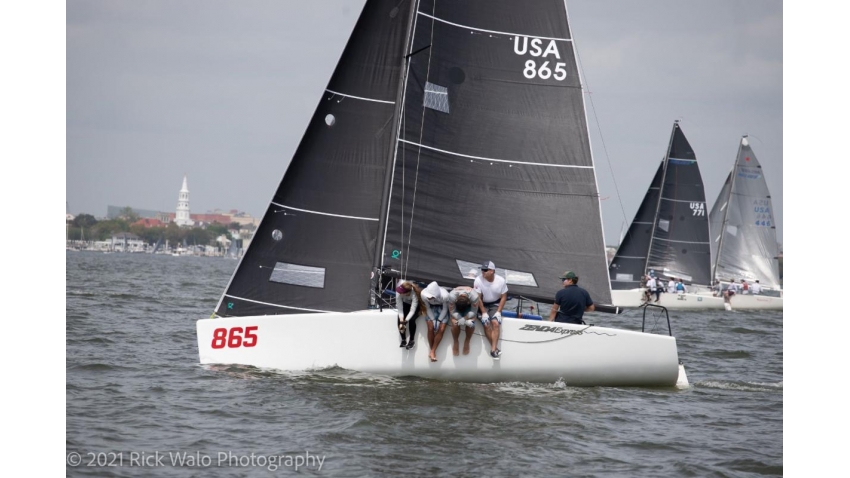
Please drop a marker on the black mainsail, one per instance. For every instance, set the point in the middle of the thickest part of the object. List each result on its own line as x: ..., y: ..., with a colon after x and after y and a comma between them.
x: 314, y: 248
x: 450, y: 133
x: 744, y: 232
x: 678, y: 244
x: 493, y: 160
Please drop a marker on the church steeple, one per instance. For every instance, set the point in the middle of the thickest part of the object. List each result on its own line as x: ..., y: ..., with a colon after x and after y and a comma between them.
x: 182, y: 218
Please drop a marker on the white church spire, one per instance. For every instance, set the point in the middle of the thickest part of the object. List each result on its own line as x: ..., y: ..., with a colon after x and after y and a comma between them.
x: 182, y: 218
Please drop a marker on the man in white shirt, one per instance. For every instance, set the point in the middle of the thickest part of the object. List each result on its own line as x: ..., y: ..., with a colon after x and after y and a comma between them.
x: 494, y: 292
x: 756, y: 287
x: 654, y: 288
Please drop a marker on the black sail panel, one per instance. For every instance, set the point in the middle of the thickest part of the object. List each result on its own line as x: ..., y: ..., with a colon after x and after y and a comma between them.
x: 314, y: 249
x: 629, y: 264
x: 680, y: 243
x: 493, y: 161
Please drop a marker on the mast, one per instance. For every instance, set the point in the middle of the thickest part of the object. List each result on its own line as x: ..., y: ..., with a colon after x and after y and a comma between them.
x: 726, y: 212
x: 388, y: 178
x: 660, y: 195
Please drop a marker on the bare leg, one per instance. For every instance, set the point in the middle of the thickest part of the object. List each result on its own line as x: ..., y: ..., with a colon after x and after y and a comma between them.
x: 455, y: 336
x: 437, y: 338
x: 488, y: 332
x: 469, y: 331
x: 496, y: 331
x: 431, y: 334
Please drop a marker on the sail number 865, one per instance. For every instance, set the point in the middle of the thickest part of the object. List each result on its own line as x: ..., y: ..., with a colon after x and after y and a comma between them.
x: 544, y: 72
x: 234, y: 337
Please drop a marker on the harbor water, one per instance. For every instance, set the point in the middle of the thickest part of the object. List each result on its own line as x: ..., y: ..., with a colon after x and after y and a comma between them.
x: 138, y: 403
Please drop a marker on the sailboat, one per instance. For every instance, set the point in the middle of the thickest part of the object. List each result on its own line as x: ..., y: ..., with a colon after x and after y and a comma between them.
x: 233, y: 249
x: 157, y: 245
x: 668, y: 238
x: 449, y: 134
x: 744, y: 233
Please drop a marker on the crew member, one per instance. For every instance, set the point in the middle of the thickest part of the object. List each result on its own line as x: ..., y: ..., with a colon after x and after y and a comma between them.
x: 436, y: 307
x: 571, y: 302
x: 464, y: 303
x: 494, y: 292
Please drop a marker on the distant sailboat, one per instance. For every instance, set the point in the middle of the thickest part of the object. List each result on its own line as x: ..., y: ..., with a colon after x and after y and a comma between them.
x: 744, y: 233
x: 668, y: 237
x: 156, y: 246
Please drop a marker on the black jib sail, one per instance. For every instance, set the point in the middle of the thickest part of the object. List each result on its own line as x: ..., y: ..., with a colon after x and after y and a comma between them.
x: 744, y: 232
x: 629, y: 264
x: 678, y: 244
x: 314, y: 249
x: 493, y: 161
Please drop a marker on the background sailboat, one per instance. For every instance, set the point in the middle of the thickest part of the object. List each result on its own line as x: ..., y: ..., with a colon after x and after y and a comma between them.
x: 668, y: 237
x: 449, y: 134
x: 744, y: 233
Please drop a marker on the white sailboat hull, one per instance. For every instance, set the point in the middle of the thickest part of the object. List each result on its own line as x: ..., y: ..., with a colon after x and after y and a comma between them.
x: 532, y: 351
x: 755, y: 302
x: 634, y: 298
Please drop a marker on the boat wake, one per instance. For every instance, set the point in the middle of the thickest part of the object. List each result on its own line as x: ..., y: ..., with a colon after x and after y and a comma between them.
x: 741, y: 386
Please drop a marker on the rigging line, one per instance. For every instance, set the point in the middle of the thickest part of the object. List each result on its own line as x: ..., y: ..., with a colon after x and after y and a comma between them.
x: 406, y: 260
x: 277, y: 305
x: 490, y: 31
x: 601, y: 137
x: 401, y: 126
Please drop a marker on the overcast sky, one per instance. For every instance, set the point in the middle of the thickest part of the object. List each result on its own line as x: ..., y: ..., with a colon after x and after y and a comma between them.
x: 222, y: 91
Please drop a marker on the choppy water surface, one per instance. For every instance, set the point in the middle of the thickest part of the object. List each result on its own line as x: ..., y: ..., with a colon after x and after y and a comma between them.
x: 136, y: 394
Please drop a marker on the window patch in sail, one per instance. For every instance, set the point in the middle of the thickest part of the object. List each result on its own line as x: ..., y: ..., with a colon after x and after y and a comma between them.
x: 298, y: 275
x: 664, y: 225
x: 436, y: 97
x: 471, y: 270
x: 732, y: 229
x: 624, y: 278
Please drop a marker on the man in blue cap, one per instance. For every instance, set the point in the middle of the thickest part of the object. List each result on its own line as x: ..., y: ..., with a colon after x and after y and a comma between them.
x: 571, y: 302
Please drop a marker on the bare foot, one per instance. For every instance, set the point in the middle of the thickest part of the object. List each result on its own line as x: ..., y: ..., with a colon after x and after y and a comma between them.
x: 455, y: 350
x: 432, y: 356
x: 466, y: 348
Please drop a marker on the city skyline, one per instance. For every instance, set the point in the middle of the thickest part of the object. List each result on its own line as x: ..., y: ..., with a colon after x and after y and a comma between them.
x: 159, y: 90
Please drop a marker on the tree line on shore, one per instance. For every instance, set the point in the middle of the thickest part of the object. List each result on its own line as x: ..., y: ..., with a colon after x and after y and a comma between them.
x: 87, y: 227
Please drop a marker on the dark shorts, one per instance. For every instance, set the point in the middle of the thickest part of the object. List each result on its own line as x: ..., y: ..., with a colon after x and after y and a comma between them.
x: 568, y: 320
